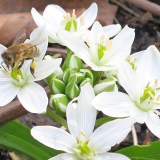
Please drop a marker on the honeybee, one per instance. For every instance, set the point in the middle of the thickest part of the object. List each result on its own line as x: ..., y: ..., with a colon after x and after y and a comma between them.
x: 18, y: 52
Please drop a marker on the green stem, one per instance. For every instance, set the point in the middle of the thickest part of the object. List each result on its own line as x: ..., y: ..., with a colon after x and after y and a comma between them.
x: 56, y: 117
x: 97, y: 76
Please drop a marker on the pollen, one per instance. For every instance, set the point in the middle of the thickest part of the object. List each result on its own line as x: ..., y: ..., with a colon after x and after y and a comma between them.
x: 33, y: 64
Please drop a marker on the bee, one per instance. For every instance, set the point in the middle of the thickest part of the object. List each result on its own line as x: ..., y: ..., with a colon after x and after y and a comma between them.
x: 18, y: 52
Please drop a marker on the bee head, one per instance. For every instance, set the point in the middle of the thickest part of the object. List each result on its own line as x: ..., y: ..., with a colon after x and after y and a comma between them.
x: 8, y: 59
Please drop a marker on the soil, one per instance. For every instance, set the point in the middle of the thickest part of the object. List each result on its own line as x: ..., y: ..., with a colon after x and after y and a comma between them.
x: 147, y: 33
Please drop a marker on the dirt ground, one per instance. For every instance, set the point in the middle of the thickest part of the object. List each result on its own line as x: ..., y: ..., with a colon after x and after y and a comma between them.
x: 147, y: 30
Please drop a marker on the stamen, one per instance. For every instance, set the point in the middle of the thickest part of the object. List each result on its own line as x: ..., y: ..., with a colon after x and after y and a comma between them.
x: 155, y: 102
x: 87, y: 141
x: 109, y: 45
x: 84, y: 134
x: 106, y: 53
x: 158, y: 98
x: 82, y: 21
x: 77, y: 150
x: 73, y: 14
x: 94, y: 152
x: 88, y: 42
x: 147, y: 84
x: 77, y: 139
x: 156, y: 82
x: 63, y: 23
x: 102, y: 39
x: 152, y: 96
x: 67, y: 16
x: 128, y: 59
x: 86, y: 156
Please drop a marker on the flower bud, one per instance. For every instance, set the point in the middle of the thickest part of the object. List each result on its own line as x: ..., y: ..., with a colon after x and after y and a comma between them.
x: 72, y: 61
x: 79, y: 77
x: 59, y: 102
x: 67, y: 73
x: 87, y: 74
x: 106, y: 85
x: 86, y: 80
x: 72, y: 89
x: 58, y: 86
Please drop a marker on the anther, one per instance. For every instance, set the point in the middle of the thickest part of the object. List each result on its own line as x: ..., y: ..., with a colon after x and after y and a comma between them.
x: 88, y: 42
x: 77, y: 150
x: 84, y: 134
x: 94, y: 152
x: 77, y: 139
x: 87, y: 141
x: 152, y: 96
x: 82, y: 21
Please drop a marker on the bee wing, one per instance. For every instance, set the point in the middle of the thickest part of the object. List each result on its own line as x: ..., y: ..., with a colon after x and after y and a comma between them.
x: 20, y: 37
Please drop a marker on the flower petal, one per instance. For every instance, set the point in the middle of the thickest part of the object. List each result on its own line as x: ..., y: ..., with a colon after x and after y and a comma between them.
x: 153, y: 123
x: 8, y: 93
x: 64, y: 156
x: 45, y: 68
x: 54, y: 14
x: 109, y: 134
x: 129, y: 80
x: 148, y: 66
x: 89, y: 16
x: 123, y: 41
x: 33, y: 98
x: 115, y: 104
x: 54, y: 137
x: 80, y: 49
x: 140, y: 115
x: 110, y: 156
x: 112, y: 30
x: 81, y: 118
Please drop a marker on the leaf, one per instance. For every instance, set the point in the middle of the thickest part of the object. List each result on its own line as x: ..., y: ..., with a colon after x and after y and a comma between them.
x: 16, y: 137
x: 147, y: 152
x: 101, y: 121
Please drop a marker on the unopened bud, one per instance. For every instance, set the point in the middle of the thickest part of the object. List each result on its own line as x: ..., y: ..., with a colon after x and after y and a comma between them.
x: 58, y: 86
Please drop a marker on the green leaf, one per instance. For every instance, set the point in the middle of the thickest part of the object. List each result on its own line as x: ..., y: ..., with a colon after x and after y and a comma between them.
x: 16, y: 137
x: 147, y: 152
x: 101, y: 121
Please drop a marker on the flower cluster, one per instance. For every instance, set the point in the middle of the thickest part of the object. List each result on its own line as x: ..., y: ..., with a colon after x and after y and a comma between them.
x: 98, y: 61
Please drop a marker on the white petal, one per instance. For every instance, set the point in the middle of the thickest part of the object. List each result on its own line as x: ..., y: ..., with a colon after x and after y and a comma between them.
x: 45, y: 68
x: 4, y: 79
x: 111, y: 133
x: 96, y: 33
x: 140, y: 115
x: 54, y: 15
x: 137, y: 56
x: 8, y: 93
x: 89, y: 16
x: 39, y: 20
x: 129, y: 80
x: 153, y: 123
x: 33, y: 98
x: 76, y: 45
x: 148, y: 66
x: 111, y: 156
x: 82, y: 117
x: 115, y: 104
x: 112, y: 30
x: 54, y: 137
x: 123, y: 41
x: 64, y: 156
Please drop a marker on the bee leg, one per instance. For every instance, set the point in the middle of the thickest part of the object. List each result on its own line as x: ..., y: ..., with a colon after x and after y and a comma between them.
x: 22, y: 62
x: 32, y: 71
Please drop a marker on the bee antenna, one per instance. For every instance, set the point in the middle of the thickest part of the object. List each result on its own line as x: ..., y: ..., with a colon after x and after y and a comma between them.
x: 3, y: 66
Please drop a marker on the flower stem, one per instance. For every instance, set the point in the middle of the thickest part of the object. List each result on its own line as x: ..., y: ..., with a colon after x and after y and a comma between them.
x: 56, y: 117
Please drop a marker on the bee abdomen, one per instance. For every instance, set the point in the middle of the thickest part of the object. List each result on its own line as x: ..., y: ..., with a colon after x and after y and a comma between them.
x: 30, y: 50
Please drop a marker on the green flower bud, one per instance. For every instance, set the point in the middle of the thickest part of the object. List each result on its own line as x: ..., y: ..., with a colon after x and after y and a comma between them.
x: 106, y: 85
x: 72, y: 89
x: 72, y: 61
x: 58, y: 86
x: 67, y: 73
x: 87, y: 74
x: 79, y: 77
x: 86, y: 80
x: 59, y: 102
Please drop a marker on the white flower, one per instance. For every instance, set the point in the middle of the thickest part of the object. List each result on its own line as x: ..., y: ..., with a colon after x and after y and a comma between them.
x: 57, y: 19
x: 100, y: 53
x: 20, y: 82
x: 82, y: 144
x: 143, y: 88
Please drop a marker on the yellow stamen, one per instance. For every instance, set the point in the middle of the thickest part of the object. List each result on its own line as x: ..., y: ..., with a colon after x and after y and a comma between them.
x: 88, y: 42
x: 33, y: 64
x: 77, y: 139
x: 102, y: 39
x: 152, y: 96
x: 87, y: 141
x: 82, y: 21
x: 109, y: 45
x: 77, y: 150
x: 84, y: 134
x: 94, y: 152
